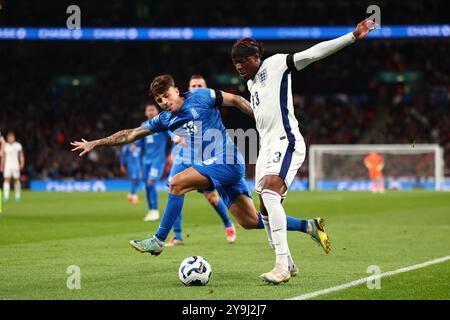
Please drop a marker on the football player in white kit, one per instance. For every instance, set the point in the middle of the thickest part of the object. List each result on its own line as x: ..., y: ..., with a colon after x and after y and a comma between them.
x: 282, y: 149
x: 13, y: 161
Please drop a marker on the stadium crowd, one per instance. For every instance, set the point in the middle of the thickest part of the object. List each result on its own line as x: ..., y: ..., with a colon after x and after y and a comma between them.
x: 56, y: 92
x: 336, y: 100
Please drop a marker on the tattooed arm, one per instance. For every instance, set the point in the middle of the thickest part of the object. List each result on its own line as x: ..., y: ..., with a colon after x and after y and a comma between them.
x: 117, y: 139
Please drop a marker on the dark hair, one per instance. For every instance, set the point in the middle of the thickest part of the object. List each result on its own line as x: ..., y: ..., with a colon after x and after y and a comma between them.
x: 151, y: 104
x: 154, y: 105
x: 161, y: 84
x: 248, y: 45
x: 197, y: 76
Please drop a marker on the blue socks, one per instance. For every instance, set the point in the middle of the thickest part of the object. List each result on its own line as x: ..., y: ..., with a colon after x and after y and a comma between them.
x: 297, y: 224
x: 134, y: 186
x: 172, y: 212
x: 221, y: 209
x: 177, y: 227
x: 152, y: 196
x: 293, y: 224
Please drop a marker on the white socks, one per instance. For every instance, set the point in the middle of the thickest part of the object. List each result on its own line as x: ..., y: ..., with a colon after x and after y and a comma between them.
x: 17, y: 188
x: 265, y: 220
x: 278, y: 225
x: 7, y: 187
x: 6, y: 190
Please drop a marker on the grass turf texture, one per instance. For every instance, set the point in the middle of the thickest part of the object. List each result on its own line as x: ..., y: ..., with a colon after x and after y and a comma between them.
x: 46, y: 233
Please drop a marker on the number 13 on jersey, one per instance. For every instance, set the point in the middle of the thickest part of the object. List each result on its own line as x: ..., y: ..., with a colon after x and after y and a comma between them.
x: 255, y: 100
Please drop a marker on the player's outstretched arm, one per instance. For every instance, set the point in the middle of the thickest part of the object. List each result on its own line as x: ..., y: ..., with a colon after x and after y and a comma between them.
x: 232, y: 100
x: 326, y: 48
x: 117, y: 139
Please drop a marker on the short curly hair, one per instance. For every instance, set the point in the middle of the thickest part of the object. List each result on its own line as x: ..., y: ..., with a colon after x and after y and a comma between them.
x: 161, y: 84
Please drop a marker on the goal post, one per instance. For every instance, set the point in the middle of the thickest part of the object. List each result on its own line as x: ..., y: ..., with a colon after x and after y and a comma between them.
x: 406, y: 166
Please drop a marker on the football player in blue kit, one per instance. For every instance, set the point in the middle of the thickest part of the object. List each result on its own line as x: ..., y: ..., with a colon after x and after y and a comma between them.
x: 154, y: 161
x: 196, y: 116
x: 130, y: 165
x: 182, y: 162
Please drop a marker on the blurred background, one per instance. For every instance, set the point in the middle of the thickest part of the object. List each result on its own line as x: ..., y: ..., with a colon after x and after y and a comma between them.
x: 383, y: 90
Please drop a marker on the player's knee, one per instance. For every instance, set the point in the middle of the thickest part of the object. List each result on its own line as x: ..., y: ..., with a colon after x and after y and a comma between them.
x: 176, y: 185
x: 274, y: 183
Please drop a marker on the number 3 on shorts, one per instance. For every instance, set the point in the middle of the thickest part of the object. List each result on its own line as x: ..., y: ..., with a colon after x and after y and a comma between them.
x: 276, y: 157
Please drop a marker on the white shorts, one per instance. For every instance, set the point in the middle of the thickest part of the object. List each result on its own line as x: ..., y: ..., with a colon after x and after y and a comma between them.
x: 279, y: 160
x: 11, y: 172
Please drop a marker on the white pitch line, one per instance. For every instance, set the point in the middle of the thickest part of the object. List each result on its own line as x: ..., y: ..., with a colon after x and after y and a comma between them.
x: 370, y: 278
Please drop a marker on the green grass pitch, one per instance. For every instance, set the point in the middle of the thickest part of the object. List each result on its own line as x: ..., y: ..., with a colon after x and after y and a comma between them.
x: 45, y: 233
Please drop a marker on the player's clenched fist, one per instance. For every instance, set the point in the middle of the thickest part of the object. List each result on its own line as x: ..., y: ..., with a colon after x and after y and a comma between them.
x: 363, y: 28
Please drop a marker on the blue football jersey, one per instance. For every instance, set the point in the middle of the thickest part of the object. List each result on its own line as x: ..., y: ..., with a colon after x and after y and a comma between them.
x: 131, y: 159
x: 200, y: 123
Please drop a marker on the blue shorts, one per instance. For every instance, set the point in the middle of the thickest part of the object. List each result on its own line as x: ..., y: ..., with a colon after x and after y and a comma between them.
x: 227, y: 179
x: 153, y: 171
x: 134, y: 174
x: 177, y: 168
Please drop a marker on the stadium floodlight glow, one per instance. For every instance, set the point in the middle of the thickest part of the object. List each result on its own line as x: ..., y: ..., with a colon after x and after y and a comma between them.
x: 187, y: 33
x: 406, y: 166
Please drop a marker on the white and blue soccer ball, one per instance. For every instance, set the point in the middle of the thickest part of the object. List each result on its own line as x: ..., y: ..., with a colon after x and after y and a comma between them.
x: 194, y: 271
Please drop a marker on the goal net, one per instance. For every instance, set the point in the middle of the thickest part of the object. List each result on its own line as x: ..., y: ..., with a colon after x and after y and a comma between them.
x: 395, y: 166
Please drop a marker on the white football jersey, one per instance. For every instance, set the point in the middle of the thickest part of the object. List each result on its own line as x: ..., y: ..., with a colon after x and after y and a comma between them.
x: 271, y: 100
x: 12, y: 151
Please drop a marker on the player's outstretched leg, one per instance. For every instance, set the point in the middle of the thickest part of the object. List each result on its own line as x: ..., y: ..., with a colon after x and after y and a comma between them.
x: 180, y: 184
x: 216, y: 201
x: 318, y: 234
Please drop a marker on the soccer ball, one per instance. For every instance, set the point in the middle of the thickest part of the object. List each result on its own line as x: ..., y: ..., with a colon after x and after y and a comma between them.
x: 194, y: 271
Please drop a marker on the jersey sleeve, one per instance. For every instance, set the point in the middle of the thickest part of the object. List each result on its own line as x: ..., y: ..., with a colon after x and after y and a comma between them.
x: 19, y: 147
x: 157, y: 124
x: 279, y: 63
x: 210, y: 97
x: 321, y: 50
